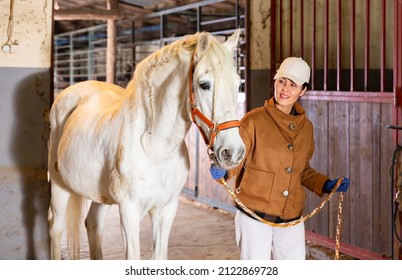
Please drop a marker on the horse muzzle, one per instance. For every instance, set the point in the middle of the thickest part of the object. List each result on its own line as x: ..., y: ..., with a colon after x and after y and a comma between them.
x: 229, y: 151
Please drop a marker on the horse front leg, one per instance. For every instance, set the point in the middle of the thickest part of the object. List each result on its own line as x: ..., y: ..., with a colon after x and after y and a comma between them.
x: 95, y: 224
x: 162, y: 221
x: 130, y: 221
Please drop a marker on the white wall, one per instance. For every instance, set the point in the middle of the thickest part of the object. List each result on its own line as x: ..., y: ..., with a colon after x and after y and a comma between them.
x: 31, y: 26
x: 25, y: 91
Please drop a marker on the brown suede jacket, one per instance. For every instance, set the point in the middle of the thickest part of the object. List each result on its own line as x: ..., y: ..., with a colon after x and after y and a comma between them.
x: 279, y: 148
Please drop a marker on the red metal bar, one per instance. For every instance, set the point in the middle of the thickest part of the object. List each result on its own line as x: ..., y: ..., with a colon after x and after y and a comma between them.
x: 280, y: 31
x: 349, y: 250
x: 326, y: 30
x: 367, y: 47
x: 397, y: 64
x: 302, y: 27
x: 398, y: 44
x: 352, y: 44
x: 291, y: 28
x: 313, y: 45
x: 350, y: 96
x: 273, y: 38
x: 383, y: 44
x: 247, y: 73
x: 338, y: 47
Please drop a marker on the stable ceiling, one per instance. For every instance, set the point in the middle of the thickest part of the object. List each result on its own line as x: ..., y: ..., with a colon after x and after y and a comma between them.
x: 72, y: 15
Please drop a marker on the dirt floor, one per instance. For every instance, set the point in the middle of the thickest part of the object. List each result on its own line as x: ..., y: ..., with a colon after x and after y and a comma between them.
x: 199, y: 232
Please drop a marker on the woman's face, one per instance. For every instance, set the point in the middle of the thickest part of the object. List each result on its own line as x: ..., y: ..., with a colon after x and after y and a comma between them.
x: 287, y: 93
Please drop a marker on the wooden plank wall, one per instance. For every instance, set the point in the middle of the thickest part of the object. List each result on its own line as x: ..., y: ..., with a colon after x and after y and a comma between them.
x: 352, y: 140
x: 200, y: 184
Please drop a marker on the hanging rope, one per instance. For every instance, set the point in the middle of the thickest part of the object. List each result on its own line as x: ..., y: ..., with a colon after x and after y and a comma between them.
x: 303, y: 218
x: 7, y: 45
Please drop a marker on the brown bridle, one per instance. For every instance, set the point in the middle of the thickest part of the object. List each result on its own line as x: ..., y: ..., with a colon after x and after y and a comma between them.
x: 195, y: 112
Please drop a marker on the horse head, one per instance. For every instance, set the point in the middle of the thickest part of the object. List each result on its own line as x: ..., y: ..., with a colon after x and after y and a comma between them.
x: 214, y: 84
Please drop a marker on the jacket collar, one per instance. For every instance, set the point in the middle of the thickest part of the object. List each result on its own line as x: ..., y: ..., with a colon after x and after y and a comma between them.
x: 289, y: 125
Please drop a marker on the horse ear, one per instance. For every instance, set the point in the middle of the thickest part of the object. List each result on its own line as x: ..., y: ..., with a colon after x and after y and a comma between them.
x: 231, y: 43
x: 203, y: 43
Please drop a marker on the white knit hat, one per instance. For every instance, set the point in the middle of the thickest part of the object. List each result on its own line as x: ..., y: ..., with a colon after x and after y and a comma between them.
x: 294, y: 68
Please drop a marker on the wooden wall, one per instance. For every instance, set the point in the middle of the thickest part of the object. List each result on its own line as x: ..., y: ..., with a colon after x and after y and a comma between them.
x: 352, y: 140
x: 200, y: 184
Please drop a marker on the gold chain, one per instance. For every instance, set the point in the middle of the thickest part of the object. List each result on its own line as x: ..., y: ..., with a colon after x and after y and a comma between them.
x: 338, y: 227
x: 303, y: 218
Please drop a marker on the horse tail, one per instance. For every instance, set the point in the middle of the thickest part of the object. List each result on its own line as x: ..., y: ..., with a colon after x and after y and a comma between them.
x: 73, y: 224
x: 62, y: 108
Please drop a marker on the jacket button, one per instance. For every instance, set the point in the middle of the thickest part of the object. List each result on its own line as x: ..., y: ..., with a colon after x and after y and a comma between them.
x: 292, y: 126
x: 289, y: 169
x: 290, y: 147
x: 285, y: 193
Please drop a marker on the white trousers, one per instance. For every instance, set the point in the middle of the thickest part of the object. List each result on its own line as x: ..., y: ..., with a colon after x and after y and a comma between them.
x: 259, y: 241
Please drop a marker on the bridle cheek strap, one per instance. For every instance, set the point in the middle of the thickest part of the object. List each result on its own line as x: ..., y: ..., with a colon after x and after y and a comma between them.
x: 195, y: 112
x: 215, y: 128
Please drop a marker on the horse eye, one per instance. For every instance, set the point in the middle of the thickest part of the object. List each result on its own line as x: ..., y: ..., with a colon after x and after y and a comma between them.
x: 204, y: 85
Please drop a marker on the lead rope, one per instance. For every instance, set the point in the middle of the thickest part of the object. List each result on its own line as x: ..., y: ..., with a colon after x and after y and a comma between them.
x: 303, y: 218
x: 338, y: 227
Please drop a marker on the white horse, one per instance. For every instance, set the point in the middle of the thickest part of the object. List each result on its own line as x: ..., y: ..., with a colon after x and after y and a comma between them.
x: 111, y: 145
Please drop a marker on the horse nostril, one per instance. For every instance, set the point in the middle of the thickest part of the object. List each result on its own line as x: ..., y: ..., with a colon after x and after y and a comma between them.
x: 225, y: 155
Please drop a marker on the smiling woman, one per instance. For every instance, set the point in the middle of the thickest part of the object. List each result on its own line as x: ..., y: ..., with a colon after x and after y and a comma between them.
x: 287, y: 93
x: 276, y: 170
x: 291, y: 82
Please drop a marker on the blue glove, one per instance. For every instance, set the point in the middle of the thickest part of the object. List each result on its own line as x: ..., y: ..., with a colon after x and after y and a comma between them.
x: 217, y: 172
x: 330, y: 185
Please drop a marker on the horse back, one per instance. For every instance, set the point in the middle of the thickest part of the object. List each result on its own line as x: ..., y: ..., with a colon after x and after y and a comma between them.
x: 67, y: 101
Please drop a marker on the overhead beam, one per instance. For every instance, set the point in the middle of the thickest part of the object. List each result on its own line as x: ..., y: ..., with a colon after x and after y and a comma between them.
x: 183, y: 8
x: 82, y: 14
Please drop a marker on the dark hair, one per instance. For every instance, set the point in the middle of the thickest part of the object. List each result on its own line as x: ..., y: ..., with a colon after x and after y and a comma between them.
x: 305, y: 86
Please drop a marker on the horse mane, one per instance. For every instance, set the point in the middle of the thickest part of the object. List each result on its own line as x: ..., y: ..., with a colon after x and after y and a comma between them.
x: 146, y: 67
x: 182, y: 48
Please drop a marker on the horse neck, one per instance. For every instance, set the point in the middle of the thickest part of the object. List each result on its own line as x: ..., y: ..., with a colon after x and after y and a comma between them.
x: 164, y: 96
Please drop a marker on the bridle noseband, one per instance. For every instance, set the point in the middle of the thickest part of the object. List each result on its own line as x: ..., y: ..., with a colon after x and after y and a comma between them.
x: 195, y: 112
